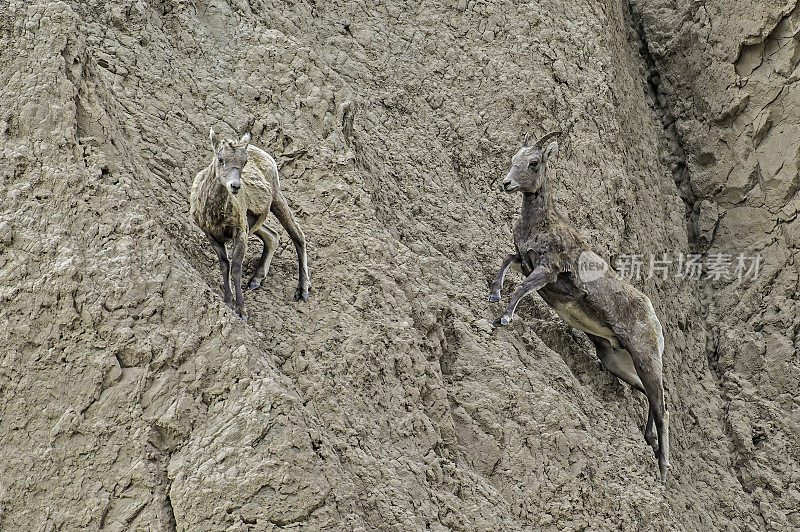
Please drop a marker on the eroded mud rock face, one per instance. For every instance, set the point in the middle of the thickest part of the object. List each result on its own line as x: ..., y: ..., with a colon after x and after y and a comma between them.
x: 130, y: 396
x: 738, y: 125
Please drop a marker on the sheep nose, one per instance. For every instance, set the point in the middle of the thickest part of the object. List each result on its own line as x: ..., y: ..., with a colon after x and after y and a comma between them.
x: 235, y: 188
x: 506, y: 184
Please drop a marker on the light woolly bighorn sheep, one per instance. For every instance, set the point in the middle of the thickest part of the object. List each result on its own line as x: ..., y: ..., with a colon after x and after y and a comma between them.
x: 231, y: 199
x: 585, y: 293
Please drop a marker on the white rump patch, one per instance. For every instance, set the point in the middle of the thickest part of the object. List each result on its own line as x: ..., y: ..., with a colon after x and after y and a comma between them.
x: 651, y: 314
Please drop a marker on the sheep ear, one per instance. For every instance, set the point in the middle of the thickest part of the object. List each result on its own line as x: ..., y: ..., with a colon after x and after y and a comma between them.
x: 214, y: 140
x: 245, y: 140
x: 551, y: 150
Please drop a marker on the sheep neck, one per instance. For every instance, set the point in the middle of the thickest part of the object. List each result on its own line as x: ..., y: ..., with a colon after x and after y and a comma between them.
x: 536, y: 207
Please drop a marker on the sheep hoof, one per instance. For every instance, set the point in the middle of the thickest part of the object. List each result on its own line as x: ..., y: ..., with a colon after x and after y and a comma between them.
x: 502, y: 320
x: 494, y: 298
x: 253, y: 285
x: 301, y: 294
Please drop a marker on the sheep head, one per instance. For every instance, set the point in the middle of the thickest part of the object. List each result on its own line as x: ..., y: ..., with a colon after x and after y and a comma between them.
x: 230, y: 156
x: 529, y: 165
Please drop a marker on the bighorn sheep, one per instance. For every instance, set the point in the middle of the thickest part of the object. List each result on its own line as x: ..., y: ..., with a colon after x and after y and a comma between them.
x: 231, y: 199
x: 619, y: 320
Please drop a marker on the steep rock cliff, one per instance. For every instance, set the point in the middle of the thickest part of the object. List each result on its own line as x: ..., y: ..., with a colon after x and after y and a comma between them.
x: 131, y: 397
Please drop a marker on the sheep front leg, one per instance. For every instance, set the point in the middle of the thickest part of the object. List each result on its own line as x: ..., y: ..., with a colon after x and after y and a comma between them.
x: 536, y: 280
x: 225, y: 268
x: 497, y: 284
x: 239, y: 248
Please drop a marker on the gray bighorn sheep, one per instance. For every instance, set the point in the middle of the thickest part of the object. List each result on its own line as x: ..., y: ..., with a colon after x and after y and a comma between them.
x: 619, y: 320
x: 231, y: 199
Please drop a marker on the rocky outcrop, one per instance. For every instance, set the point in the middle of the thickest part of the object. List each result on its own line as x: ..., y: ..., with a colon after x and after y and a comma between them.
x: 729, y: 78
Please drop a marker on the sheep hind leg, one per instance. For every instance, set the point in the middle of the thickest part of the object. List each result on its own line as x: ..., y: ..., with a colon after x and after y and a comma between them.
x: 617, y: 361
x: 280, y: 208
x: 648, y: 366
x: 270, y: 239
x: 661, y: 421
x: 620, y: 364
x: 649, y: 435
